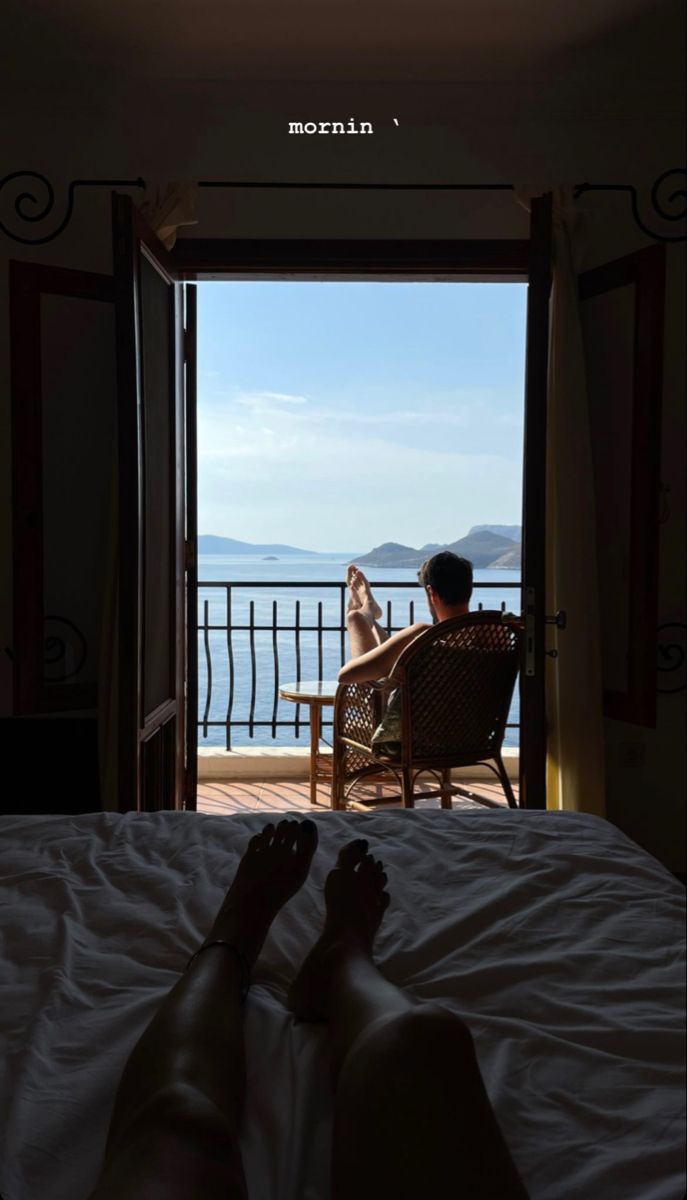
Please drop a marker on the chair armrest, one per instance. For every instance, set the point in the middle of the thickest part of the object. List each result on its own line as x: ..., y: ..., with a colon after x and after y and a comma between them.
x: 382, y: 685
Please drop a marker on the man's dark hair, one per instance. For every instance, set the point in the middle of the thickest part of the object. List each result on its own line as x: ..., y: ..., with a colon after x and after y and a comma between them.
x: 449, y: 576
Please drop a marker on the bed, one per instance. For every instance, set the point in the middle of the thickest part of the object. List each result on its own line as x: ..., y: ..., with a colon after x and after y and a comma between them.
x: 555, y: 937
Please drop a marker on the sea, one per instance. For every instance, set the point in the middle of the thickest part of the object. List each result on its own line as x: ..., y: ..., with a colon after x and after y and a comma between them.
x: 240, y: 672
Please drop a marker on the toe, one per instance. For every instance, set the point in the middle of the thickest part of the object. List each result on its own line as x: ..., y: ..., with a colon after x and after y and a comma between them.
x: 290, y: 836
x: 281, y: 834
x: 352, y: 854
x: 263, y: 839
x: 368, y: 869
x: 306, y: 836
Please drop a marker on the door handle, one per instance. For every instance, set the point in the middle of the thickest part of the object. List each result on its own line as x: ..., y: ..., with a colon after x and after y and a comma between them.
x: 560, y: 620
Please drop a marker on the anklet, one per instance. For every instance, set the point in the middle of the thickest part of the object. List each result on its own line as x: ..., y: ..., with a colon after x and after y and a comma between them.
x: 243, y: 962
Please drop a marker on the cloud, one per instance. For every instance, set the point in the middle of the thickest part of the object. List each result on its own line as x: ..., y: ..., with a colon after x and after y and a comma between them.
x: 260, y: 399
x: 321, y: 452
x: 353, y: 479
x: 398, y: 417
x: 300, y: 431
x: 333, y: 491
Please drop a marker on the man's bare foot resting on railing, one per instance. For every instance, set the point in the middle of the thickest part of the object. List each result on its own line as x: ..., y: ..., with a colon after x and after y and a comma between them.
x: 412, y: 1119
x: 447, y: 580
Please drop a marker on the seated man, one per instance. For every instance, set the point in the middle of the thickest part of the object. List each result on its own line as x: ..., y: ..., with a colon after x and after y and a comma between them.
x: 447, y: 580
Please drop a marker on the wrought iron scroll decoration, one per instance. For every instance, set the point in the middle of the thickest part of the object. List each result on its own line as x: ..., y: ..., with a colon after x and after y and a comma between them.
x: 660, y: 197
x: 670, y: 662
x: 62, y: 640
x: 56, y: 649
x: 30, y: 208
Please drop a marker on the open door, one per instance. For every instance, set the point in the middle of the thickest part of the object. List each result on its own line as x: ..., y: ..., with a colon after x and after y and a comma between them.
x: 191, y: 409
x: 151, y: 388
x: 532, y: 695
x: 621, y: 309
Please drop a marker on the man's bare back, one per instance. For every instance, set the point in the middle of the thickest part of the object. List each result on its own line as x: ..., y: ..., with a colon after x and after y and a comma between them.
x: 373, y: 652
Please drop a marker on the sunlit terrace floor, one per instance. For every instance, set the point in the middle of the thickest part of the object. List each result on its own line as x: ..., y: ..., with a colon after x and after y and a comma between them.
x: 286, y: 796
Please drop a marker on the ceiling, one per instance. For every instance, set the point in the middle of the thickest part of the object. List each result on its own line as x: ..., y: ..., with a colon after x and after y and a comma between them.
x: 336, y: 40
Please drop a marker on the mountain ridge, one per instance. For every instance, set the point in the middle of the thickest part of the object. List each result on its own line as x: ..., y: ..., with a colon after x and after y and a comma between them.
x: 490, y: 546
x: 484, y: 548
x: 513, y: 532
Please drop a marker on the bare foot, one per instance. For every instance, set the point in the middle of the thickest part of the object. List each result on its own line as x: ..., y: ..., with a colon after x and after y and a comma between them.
x: 353, y: 597
x: 356, y: 902
x: 360, y: 594
x: 273, y: 868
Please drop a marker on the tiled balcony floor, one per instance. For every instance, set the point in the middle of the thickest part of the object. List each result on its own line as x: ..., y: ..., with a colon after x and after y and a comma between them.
x: 270, y: 796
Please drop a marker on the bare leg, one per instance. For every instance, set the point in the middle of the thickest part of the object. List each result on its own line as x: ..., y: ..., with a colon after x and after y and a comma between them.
x: 412, y: 1116
x: 362, y: 615
x: 175, y: 1126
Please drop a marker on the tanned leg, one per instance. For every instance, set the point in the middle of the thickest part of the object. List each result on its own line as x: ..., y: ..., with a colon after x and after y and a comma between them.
x: 362, y: 615
x: 412, y: 1117
x: 174, y: 1132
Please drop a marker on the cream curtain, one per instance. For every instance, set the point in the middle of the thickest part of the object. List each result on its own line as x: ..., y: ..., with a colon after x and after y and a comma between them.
x: 575, y: 763
x: 166, y: 209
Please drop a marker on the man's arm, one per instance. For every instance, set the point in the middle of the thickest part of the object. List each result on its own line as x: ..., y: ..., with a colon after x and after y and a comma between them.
x: 380, y: 662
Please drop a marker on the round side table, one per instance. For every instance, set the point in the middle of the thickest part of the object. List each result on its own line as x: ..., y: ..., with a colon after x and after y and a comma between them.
x: 317, y: 694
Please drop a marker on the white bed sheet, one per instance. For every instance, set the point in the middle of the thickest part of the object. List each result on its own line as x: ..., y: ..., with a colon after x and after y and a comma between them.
x: 558, y: 940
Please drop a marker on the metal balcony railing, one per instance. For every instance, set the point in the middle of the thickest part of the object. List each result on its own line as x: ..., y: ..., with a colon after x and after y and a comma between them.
x: 255, y: 635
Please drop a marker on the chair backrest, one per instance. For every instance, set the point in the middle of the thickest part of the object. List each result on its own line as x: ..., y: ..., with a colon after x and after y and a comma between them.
x: 457, y: 683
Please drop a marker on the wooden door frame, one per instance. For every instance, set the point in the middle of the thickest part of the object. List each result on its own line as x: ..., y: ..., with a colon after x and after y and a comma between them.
x: 191, y: 543
x: 202, y: 259
x: 532, y: 678
x: 398, y: 260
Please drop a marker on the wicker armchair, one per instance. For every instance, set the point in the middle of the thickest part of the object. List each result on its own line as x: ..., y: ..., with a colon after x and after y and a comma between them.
x: 456, y: 683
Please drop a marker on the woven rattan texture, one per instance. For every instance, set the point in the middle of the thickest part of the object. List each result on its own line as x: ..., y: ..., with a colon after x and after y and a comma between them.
x: 459, y: 686
x: 359, y: 716
x: 460, y: 689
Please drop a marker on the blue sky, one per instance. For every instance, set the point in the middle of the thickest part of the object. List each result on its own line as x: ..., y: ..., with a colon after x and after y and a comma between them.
x: 335, y: 416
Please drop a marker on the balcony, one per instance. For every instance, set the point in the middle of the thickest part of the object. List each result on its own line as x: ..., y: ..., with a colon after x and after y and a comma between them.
x: 255, y: 636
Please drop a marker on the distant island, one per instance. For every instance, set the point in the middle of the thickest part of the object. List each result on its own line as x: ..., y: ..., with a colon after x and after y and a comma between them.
x: 209, y: 544
x: 486, y: 546
x: 490, y: 546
